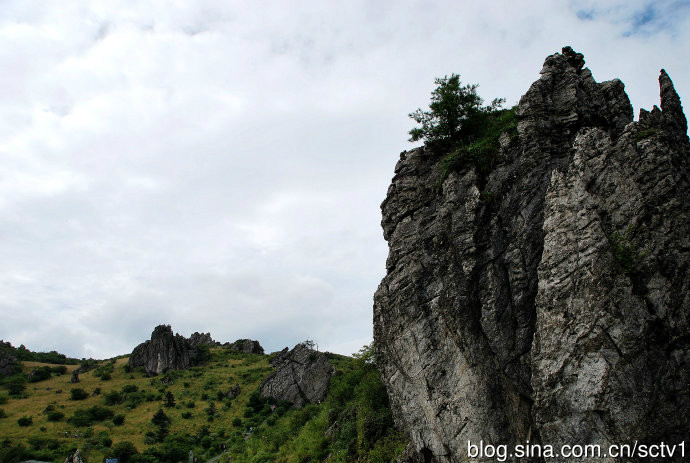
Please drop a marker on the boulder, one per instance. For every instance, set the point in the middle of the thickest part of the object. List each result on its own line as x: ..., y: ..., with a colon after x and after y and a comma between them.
x: 245, y: 346
x: 302, y: 376
x: 164, y: 351
x: 8, y: 364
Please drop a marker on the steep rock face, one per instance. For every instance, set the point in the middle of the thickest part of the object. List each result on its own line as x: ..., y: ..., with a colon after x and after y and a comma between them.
x: 302, y: 376
x: 202, y: 339
x: 558, y: 310
x: 246, y: 346
x: 164, y: 351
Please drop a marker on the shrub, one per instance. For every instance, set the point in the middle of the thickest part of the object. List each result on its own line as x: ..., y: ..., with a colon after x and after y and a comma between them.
x: 206, y: 442
x: 129, y: 388
x: 237, y: 422
x: 160, y: 419
x: 112, y: 398
x: 451, y: 111
x: 186, y: 415
x: 190, y: 404
x: 87, y: 417
x: 169, y: 399
x: 16, y: 385
x: 127, y: 368
x: 39, y: 374
x: 124, y: 450
x: 55, y: 416
x: 119, y: 420
x: 78, y: 394
x: 25, y: 421
x: 3, y: 399
x: 2, y: 413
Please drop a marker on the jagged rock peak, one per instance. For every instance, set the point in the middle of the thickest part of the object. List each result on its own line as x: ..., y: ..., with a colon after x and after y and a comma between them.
x: 557, y: 309
x: 302, y: 376
x: 202, y: 339
x: 164, y: 351
x: 245, y: 346
x: 8, y: 364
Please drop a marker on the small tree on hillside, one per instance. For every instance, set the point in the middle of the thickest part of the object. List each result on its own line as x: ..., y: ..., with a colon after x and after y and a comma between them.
x: 451, y: 112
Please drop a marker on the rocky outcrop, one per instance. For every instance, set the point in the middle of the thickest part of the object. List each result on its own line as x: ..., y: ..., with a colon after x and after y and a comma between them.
x: 8, y: 364
x: 164, y: 351
x: 302, y: 376
x: 548, y: 300
x: 75, y: 458
x: 245, y: 346
x: 202, y: 339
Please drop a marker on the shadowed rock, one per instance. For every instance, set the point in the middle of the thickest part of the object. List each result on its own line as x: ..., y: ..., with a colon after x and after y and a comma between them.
x: 302, y: 376
x: 202, y: 339
x: 245, y: 346
x: 164, y: 351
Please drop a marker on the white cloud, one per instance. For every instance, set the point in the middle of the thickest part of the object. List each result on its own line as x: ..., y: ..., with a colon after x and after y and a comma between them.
x: 219, y: 165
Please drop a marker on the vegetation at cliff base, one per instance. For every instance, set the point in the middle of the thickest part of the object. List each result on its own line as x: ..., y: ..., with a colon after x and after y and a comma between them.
x: 142, y: 419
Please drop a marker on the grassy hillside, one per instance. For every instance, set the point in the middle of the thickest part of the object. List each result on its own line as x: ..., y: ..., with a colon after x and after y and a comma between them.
x: 47, y: 421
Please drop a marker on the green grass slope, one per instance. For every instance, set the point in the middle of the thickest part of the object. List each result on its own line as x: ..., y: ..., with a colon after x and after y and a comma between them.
x: 120, y: 415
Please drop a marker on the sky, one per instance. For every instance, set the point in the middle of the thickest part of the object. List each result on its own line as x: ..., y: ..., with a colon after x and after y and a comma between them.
x: 219, y: 166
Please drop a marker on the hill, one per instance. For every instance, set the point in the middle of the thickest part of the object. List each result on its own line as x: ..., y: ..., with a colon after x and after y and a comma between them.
x: 110, y: 412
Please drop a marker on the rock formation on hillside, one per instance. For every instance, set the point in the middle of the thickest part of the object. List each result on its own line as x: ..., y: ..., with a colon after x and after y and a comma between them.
x: 202, y: 339
x: 164, y: 351
x: 8, y: 364
x: 245, y: 346
x: 302, y: 376
x: 548, y: 301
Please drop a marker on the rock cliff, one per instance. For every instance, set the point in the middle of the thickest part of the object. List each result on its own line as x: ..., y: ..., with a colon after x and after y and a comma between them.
x: 302, y: 376
x: 548, y: 300
x: 164, y: 351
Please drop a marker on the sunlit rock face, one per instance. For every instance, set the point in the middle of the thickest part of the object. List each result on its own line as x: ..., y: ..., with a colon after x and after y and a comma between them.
x: 549, y: 300
x: 164, y: 351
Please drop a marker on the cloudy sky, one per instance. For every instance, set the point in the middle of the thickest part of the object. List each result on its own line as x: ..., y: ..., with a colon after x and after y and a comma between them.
x: 219, y: 165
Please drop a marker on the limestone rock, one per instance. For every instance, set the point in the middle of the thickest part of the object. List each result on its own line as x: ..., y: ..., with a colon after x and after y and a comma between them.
x: 558, y: 311
x: 302, y: 376
x: 75, y: 458
x: 164, y: 351
x: 8, y: 364
x: 202, y: 339
x: 245, y: 346
x: 75, y: 376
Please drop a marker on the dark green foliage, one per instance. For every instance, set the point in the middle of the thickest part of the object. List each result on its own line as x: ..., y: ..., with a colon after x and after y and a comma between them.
x: 186, y: 415
x: 40, y: 374
x: 190, y: 404
x: 124, y: 451
x: 78, y: 394
x: 3, y: 399
x: 237, y: 422
x: 16, y: 385
x: 127, y: 368
x: 169, y: 399
x: 86, y: 417
x: 206, y: 442
x: 55, y: 416
x: 119, y: 420
x: 21, y: 353
x: 112, y: 397
x: 129, y: 388
x: 160, y: 418
x: 627, y: 255
x: 646, y: 133
x: 2, y: 413
x: 25, y: 421
x: 452, y: 106
x: 480, y: 148
x: 203, y: 354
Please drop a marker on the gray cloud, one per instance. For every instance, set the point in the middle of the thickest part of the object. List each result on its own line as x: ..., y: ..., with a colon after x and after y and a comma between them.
x: 219, y: 165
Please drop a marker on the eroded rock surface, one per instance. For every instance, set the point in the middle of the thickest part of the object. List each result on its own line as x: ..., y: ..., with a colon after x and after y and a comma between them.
x: 302, y: 376
x: 202, y: 339
x: 164, y: 351
x: 8, y: 364
x: 245, y: 346
x: 549, y: 300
